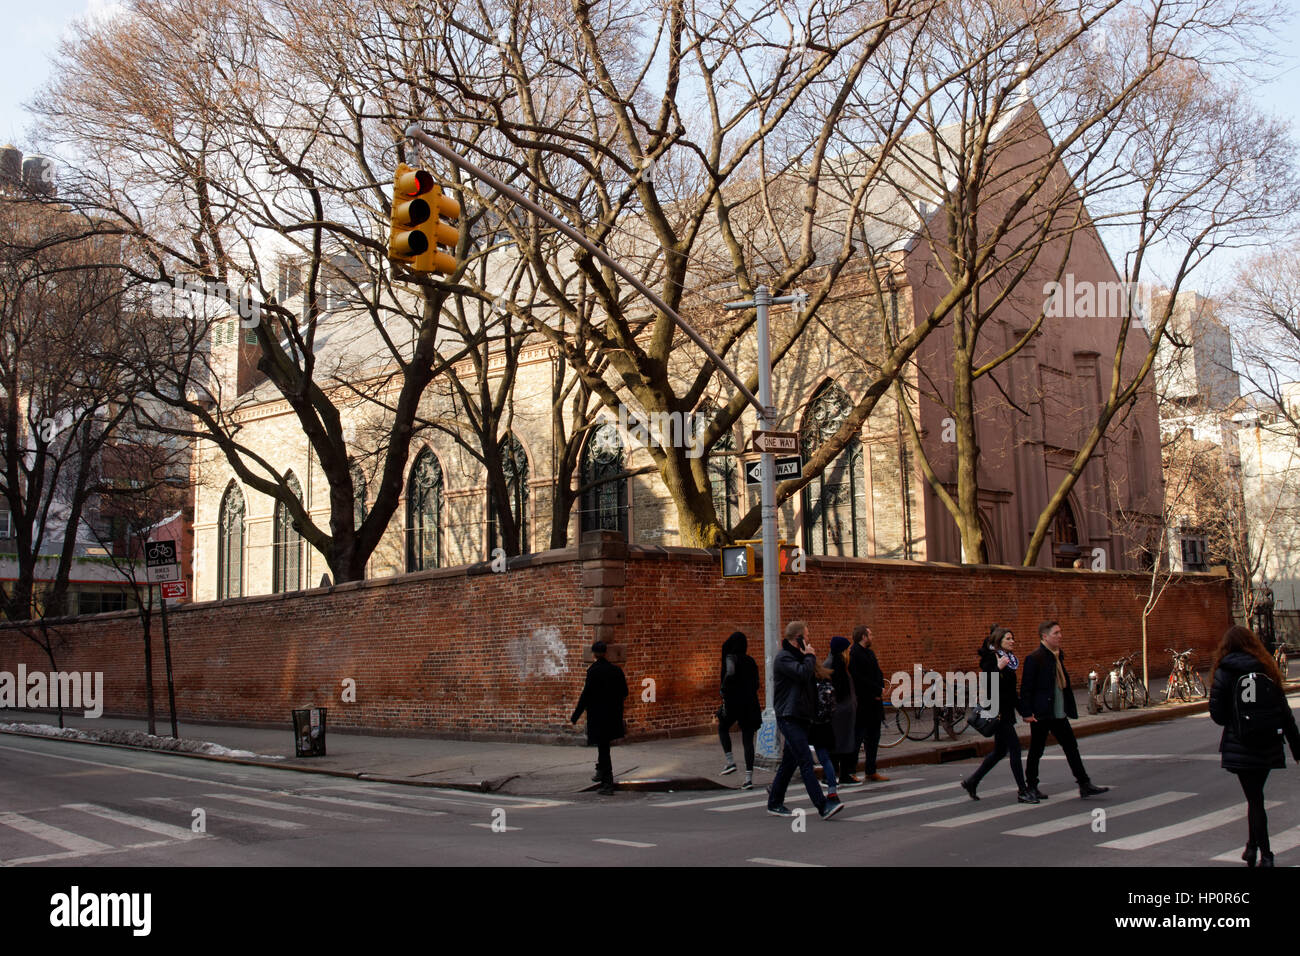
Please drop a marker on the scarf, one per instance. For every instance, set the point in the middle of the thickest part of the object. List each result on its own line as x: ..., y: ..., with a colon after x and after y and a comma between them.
x: 1060, y: 671
x: 1013, y: 662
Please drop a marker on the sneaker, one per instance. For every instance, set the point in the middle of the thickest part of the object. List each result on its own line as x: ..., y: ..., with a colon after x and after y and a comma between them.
x: 877, y: 777
x: 1038, y: 793
x: 1026, y: 796
x: 729, y: 768
x: 1088, y: 790
x: 832, y: 807
x: 781, y: 811
x: 970, y: 789
x: 747, y: 785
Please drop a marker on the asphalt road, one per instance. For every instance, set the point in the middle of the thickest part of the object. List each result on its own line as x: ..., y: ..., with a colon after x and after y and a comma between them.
x: 1170, y: 805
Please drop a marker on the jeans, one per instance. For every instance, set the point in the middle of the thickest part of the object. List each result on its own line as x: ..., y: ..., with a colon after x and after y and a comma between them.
x: 1252, y: 784
x: 795, y: 752
x: 746, y: 740
x: 1058, y: 727
x: 1005, y: 741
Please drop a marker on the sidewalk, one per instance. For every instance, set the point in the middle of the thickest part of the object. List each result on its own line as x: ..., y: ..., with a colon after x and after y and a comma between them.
x: 684, y: 763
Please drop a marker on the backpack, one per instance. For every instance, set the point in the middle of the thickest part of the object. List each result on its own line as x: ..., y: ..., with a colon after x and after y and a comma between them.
x: 1258, y: 714
x: 825, y: 702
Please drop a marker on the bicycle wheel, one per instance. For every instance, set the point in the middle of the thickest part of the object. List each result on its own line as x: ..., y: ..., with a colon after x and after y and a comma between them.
x: 893, y: 728
x: 1197, y: 685
x: 1136, y: 692
x: 921, y: 722
x: 958, y: 725
x: 1111, y: 693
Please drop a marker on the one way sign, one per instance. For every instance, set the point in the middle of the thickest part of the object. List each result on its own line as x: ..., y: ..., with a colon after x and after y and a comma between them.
x: 786, y: 468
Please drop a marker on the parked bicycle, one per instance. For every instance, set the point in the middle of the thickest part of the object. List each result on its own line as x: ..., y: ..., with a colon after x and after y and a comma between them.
x: 895, y: 725
x: 1122, y: 688
x: 1184, y: 683
x: 927, y: 720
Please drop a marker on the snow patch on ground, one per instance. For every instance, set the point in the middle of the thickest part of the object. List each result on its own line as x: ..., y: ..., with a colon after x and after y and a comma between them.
x: 135, y: 738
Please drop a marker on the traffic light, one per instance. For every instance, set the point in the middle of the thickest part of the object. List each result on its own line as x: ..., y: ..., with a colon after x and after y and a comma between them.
x: 441, y: 256
x: 406, y: 241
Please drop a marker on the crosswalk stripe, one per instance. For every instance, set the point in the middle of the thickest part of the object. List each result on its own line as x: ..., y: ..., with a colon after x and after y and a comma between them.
x: 369, y: 805
x: 767, y: 861
x: 801, y: 795
x: 188, y: 807
x: 1208, y: 821
x: 980, y: 816
x: 742, y: 794
x: 268, y: 805
x: 1085, y: 819
x: 139, y: 823
x: 496, y: 827
x: 1279, y: 843
x: 919, y: 807
x: 631, y: 843
x: 462, y: 798
x: 77, y: 845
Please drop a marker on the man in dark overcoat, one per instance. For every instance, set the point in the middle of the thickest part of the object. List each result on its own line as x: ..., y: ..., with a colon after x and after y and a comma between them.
x: 602, y: 700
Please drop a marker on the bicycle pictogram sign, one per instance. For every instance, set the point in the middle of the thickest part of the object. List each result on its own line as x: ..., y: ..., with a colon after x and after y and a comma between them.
x: 158, y: 553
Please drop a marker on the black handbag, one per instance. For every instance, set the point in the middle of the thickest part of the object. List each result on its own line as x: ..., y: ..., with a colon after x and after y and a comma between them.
x: 984, y: 721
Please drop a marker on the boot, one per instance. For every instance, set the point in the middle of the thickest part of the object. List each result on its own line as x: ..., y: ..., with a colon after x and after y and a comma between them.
x: 970, y: 788
x: 1265, y: 859
x: 1249, y: 854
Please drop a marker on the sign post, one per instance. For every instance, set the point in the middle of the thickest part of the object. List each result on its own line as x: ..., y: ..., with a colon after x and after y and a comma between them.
x: 161, y: 566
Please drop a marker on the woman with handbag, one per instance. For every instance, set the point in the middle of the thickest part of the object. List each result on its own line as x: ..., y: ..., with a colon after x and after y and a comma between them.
x: 1256, y: 719
x: 998, y: 658
x: 739, y: 703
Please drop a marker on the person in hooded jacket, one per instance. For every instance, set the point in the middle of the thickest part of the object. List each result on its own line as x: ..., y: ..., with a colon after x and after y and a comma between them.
x: 739, y: 703
x: 997, y: 657
x: 1239, y: 653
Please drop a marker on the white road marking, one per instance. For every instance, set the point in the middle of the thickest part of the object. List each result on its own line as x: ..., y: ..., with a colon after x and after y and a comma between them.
x: 188, y: 807
x: 290, y: 808
x: 363, y: 804
x: 76, y: 845
x: 980, y: 816
x: 740, y: 795
x: 1085, y: 819
x: 498, y: 828
x: 770, y: 862
x: 919, y: 807
x: 1139, y: 757
x: 794, y: 797
x: 1278, y: 843
x: 139, y: 823
x: 1208, y: 821
x: 631, y: 843
x: 462, y: 797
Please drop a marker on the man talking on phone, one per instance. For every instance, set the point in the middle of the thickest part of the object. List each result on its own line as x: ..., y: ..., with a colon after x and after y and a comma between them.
x: 794, y: 685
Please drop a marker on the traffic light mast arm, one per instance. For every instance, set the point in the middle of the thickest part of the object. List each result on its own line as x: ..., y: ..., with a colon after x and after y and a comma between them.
x: 419, y: 135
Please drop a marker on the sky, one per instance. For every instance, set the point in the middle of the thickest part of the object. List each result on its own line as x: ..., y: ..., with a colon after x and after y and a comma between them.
x: 29, y: 43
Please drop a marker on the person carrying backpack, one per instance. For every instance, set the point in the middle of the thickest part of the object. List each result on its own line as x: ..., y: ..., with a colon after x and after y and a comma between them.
x: 739, y: 703
x: 1247, y: 701
x: 821, y: 736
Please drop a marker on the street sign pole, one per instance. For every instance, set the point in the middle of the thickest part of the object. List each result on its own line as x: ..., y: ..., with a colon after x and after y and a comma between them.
x: 767, y: 743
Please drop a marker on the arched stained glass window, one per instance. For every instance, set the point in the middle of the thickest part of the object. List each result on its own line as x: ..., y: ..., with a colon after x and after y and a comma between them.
x: 604, y: 505
x: 424, y: 513
x: 230, y: 544
x: 514, y: 461
x: 834, y: 503
x: 286, y: 561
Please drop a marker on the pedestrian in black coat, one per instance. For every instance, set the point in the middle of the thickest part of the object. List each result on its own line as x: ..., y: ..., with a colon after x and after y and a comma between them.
x: 844, y: 722
x: 997, y: 657
x: 739, y: 688
x: 1047, y: 704
x: 869, y: 688
x: 602, y: 700
x: 1240, y: 652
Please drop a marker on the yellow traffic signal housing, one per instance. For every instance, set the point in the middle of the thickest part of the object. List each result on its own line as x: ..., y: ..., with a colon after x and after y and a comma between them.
x: 441, y: 255
x: 738, y: 562
x: 406, y: 241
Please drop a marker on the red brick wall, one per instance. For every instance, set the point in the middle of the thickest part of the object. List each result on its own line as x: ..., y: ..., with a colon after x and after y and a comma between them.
x: 463, y: 652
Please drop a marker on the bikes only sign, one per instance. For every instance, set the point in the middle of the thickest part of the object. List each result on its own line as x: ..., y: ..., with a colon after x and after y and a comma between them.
x: 160, y: 560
